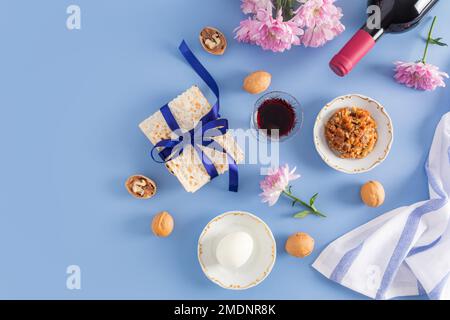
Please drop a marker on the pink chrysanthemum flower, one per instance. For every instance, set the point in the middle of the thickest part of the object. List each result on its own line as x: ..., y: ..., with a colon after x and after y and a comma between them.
x: 276, y: 183
x: 419, y: 75
x: 252, y: 6
x: 248, y: 31
x: 314, y: 23
x: 268, y: 32
x: 275, y: 34
x: 321, y: 34
x: 322, y: 21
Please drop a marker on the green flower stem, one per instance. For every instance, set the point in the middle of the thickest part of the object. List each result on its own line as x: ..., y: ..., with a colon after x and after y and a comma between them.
x: 286, y: 7
x: 288, y: 10
x: 297, y: 200
x: 430, y: 33
x: 278, y: 6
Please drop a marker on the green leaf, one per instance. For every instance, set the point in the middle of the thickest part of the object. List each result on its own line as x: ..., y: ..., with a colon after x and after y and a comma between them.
x: 313, y: 199
x: 302, y: 214
x: 438, y: 42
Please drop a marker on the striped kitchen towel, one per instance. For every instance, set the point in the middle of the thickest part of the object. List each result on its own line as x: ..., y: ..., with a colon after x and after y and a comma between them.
x: 406, y: 251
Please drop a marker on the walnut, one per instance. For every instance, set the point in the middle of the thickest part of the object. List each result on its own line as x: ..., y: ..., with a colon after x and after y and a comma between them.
x: 300, y: 245
x: 257, y: 82
x: 213, y: 41
x: 162, y: 224
x: 141, y: 187
x: 372, y: 194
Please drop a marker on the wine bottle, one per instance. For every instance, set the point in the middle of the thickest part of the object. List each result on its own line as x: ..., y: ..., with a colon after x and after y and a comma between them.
x: 385, y: 16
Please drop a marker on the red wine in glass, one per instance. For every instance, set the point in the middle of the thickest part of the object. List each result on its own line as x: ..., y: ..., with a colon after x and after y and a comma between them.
x: 277, y: 114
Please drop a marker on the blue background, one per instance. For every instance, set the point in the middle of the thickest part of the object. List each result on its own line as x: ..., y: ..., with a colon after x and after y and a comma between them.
x: 70, y: 105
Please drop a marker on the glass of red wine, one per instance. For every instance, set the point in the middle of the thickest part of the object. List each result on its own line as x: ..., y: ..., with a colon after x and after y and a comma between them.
x: 277, y: 116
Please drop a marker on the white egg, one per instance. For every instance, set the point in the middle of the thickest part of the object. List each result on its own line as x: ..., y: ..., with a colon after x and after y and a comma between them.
x: 234, y: 250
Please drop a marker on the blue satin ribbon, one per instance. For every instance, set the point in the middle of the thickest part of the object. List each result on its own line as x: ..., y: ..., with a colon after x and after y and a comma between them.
x: 209, y: 126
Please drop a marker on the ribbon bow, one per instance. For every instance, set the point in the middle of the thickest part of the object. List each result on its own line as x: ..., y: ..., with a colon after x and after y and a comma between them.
x: 209, y: 126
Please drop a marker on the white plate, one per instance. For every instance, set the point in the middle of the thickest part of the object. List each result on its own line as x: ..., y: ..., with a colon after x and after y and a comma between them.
x: 260, y: 262
x: 384, y: 128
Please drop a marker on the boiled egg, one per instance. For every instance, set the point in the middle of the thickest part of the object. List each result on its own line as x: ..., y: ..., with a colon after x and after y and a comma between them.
x: 234, y: 250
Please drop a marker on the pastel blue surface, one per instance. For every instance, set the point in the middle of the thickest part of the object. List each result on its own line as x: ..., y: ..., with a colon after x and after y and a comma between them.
x: 70, y: 105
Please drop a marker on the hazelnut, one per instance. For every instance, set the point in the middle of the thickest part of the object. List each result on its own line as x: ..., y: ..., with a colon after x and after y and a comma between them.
x: 257, y: 82
x: 141, y: 187
x: 372, y: 194
x: 300, y: 245
x: 162, y: 224
x: 213, y: 41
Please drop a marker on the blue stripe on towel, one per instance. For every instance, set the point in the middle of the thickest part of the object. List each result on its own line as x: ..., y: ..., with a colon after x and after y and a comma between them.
x: 409, y: 231
x: 435, y: 294
x: 404, y: 243
x: 448, y: 153
x: 434, y: 183
x: 421, y: 289
x: 417, y: 250
x: 345, y: 263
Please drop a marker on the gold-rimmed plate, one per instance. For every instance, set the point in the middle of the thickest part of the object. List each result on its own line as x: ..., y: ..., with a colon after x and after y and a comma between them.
x: 258, y: 266
x: 384, y: 128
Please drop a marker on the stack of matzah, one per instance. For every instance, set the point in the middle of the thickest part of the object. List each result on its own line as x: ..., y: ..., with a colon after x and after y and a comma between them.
x: 188, y: 109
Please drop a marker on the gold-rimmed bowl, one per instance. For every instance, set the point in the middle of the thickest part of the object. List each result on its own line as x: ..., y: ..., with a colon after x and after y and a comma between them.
x: 385, y: 131
x: 258, y: 266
